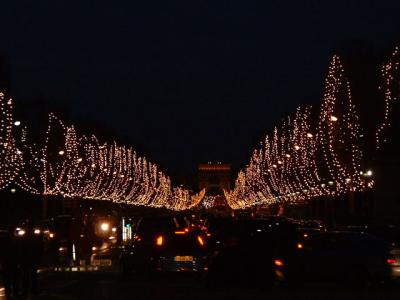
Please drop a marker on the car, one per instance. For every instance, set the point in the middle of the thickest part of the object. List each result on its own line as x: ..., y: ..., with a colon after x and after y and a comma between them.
x: 347, y: 257
x: 250, y: 251
x: 304, y: 232
x: 389, y: 233
x: 162, y: 244
x: 315, y: 224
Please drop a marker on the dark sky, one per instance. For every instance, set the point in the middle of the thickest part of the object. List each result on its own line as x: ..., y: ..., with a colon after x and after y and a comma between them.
x: 183, y: 81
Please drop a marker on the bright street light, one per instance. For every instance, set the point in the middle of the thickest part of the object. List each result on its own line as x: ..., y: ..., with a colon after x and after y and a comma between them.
x: 21, y: 232
x: 105, y: 226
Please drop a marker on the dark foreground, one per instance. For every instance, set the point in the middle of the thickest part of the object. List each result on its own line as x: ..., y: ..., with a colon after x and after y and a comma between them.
x: 110, y: 285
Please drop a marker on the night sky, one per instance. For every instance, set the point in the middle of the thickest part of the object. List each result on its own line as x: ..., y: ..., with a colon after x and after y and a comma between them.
x: 188, y: 81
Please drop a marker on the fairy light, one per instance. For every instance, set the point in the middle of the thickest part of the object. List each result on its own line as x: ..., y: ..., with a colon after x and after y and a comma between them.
x: 88, y: 169
x: 317, y: 152
x: 10, y: 156
x: 391, y: 80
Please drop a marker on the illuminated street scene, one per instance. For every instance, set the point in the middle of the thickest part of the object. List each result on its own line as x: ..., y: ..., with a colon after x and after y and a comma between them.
x: 200, y: 151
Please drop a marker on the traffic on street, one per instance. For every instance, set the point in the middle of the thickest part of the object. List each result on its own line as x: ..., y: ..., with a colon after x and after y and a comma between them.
x: 198, y: 255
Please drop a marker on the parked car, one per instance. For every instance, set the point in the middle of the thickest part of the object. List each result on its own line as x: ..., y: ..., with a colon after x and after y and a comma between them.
x: 163, y: 244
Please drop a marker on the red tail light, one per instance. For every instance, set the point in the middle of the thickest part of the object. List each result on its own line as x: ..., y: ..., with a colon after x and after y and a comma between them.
x: 391, y: 260
x: 160, y: 241
x: 278, y: 263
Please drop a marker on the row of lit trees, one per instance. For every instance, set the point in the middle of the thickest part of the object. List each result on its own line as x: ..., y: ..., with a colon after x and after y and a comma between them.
x: 317, y: 152
x: 78, y: 166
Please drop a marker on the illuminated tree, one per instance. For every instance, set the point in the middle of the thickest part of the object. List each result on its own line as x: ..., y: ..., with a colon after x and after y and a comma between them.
x: 317, y: 152
x: 390, y: 88
x: 10, y: 156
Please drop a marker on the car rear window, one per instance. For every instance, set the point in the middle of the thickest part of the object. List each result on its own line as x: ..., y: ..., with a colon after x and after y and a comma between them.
x: 149, y: 226
x: 344, y: 241
x: 391, y: 235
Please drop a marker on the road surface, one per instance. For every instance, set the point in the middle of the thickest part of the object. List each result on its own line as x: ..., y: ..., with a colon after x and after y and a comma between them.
x: 110, y: 285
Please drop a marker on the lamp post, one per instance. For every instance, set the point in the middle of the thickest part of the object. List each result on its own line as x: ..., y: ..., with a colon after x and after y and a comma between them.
x: 352, y: 206
x: 366, y: 179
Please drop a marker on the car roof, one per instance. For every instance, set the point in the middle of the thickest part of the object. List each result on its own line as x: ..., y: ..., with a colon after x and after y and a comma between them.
x: 354, y: 235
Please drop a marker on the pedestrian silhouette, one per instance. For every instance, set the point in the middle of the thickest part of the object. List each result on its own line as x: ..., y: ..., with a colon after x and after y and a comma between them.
x: 9, y: 263
x: 31, y: 255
